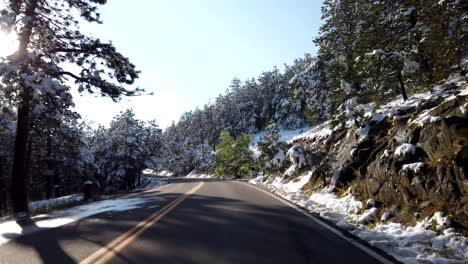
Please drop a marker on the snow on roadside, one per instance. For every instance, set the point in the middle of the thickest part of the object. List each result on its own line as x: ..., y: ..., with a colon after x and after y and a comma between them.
x: 408, y: 244
x: 56, y: 202
x: 195, y: 175
x: 10, y: 229
x: 45, y: 205
x: 163, y: 173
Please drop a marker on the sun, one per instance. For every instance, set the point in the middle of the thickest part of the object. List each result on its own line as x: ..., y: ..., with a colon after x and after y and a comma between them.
x: 8, y: 43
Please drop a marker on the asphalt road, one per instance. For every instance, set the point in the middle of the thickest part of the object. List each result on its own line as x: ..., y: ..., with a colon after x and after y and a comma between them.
x: 220, y: 222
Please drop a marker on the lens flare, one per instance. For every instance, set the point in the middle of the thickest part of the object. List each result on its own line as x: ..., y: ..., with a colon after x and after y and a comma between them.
x: 8, y: 43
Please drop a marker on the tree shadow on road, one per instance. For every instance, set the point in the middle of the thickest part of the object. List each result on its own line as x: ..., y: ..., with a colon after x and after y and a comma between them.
x: 217, y: 224
x: 49, y: 249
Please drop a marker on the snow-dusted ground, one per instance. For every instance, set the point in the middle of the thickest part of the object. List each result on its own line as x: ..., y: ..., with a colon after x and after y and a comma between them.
x: 409, y: 244
x: 314, y: 134
x: 10, y: 229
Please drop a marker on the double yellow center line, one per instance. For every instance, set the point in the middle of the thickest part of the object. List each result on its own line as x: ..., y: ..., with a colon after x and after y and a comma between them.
x: 107, y: 252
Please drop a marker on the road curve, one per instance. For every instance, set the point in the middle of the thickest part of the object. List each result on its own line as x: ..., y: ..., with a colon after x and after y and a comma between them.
x: 220, y: 222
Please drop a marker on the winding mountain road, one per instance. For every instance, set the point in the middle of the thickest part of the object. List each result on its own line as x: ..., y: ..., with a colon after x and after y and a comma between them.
x: 193, y: 221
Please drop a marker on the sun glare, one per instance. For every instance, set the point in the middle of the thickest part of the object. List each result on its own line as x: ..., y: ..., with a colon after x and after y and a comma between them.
x: 8, y: 43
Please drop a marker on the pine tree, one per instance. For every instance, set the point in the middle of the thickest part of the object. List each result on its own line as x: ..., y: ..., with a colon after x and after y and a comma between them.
x: 49, y: 36
x: 233, y: 157
x: 124, y: 152
x: 272, y: 152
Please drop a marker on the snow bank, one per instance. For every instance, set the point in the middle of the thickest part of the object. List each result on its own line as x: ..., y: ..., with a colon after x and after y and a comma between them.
x: 195, y: 175
x: 56, y: 202
x: 10, y: 229
x: 159, y: 173
x: 408, y: 244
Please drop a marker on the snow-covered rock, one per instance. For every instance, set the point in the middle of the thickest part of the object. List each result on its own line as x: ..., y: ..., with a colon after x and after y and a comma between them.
x: 368, y: 216
x: 442, y: 221
x: 405, y: 149
x: 413, y: 167
x: 385, y: 216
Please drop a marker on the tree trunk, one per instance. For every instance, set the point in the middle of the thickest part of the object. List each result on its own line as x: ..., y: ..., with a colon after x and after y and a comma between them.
x: 50, y: 177
x: 19, y: 180
x: 19, y: 175
x: 402, y: 87
x: 28, y: 163
x: 3, y: 189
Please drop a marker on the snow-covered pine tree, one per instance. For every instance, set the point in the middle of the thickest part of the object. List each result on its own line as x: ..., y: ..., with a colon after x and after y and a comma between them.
x: 124, y: 152
x: 49, y: 37
x: 173, y: 149
x: 272, y: 152
x: 153, y: 141
x: 311, y: 89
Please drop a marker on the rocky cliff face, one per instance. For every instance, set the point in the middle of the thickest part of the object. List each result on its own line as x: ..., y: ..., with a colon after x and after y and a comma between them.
x: 411, y: 157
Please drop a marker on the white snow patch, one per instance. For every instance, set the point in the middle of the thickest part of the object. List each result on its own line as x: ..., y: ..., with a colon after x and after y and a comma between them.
x: 405, y: 150
x: 424, y: 118
x: 363, y: 133
x: 464, y: 92
x: 413, y: 167
x: 464, y: 109
x: 195, y: 175
x: 368, y: 216
x: 315, y: 134
x: 163, y: 173
x: 442, y: 221
x: 55, y: 202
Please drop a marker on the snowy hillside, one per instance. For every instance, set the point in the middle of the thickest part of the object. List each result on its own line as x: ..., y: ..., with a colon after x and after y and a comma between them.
x: 328, y: 184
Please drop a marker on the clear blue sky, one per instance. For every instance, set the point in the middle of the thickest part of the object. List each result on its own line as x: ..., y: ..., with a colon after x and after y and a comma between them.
x: 189, y: 51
